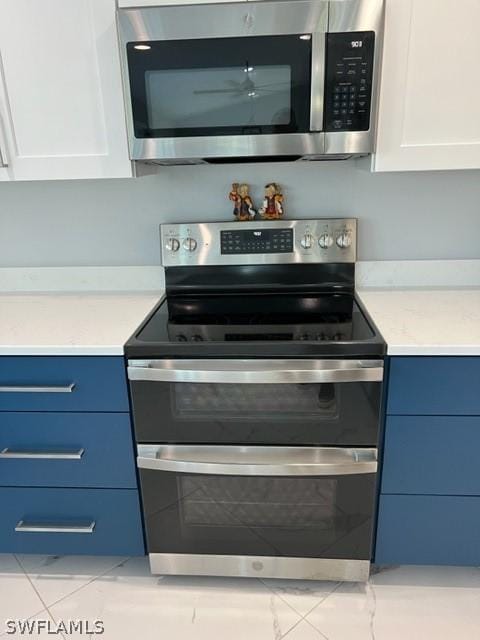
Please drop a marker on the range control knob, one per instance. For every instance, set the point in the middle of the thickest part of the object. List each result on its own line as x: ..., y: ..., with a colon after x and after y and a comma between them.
x: 344, y: 240
x: 325, y: 241
x: 307, y: 241
x: 172, y: 244
x: 189, y: 244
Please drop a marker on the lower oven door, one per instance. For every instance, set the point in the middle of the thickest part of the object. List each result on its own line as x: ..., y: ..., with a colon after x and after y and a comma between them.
x: 260, y: 509
x: 291, y: 402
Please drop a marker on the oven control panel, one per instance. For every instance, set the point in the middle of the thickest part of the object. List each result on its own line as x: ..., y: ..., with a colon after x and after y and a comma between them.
x: 348, y: 80
x: 321, y: 240
x: 244, y: 242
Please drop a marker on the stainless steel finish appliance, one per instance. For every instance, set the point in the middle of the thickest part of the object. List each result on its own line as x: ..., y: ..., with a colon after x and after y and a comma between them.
x: 260, y: 567
x: 256, y: 389
x: 257, y: 371
x: 328, y: 240
x: 284, y: 79
x: 258, y: 461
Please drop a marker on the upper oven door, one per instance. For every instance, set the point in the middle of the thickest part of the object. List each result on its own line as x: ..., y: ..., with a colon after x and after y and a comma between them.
x: 220, y: 80
x: 320, y: 402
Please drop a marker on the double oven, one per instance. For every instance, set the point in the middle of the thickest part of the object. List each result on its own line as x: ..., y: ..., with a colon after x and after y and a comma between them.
x: 256, y: 414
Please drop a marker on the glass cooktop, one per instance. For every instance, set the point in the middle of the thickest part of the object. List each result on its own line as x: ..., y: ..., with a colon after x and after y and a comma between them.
x: 257, y: 325
x: 257, y: 318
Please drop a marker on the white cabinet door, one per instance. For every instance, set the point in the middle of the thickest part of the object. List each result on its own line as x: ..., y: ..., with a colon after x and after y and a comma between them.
x: 61, y: 97
x: 159, y: 3
x: 429, y: 113
x: 4, y: 172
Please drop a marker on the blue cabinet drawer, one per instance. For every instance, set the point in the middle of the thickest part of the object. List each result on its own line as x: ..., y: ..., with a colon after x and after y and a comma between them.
x: 66, y: 450
x: 434, y: 386
x: 428, y: 530
x: 71, y: 521
x: 60, y: 383
x: 432, y: 455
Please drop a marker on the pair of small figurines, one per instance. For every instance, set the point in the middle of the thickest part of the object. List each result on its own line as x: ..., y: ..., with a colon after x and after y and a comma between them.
x: 271, y: 209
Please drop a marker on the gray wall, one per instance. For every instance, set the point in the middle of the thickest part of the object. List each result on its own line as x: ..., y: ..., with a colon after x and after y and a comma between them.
x: 115, y: 222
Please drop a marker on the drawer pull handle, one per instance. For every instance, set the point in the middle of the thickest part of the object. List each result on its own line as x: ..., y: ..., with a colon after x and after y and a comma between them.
x: 41, y: 455
x: 36, y: 527
x: 68, y: 388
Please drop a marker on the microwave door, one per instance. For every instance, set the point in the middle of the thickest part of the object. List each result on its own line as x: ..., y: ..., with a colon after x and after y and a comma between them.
x: 225, y: 80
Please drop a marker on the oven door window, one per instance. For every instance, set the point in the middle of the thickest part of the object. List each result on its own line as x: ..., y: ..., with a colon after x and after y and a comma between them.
x: 328, y: 517
x: 220, y: 86
x: 323, y: 413
x: 254, y: 402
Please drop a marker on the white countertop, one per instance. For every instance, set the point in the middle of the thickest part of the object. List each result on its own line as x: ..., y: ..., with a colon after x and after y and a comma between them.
x: 426, y: 321
x: 61, y: 316
x: 71, y: 323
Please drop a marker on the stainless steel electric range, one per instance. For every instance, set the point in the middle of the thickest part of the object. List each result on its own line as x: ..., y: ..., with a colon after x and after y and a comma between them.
x: 256, y: 389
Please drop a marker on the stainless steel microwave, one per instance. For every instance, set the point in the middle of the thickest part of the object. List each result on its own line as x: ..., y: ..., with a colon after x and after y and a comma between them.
x: 257, y: 80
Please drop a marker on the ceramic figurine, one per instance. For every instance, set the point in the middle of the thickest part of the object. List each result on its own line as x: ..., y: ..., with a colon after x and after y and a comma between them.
x: 272, y: 208
x: 243, y: 205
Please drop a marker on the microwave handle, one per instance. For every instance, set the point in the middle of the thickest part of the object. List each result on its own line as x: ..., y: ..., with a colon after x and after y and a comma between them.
x: 317, y: 85
x: 249, y: 461
x: 256, y: 371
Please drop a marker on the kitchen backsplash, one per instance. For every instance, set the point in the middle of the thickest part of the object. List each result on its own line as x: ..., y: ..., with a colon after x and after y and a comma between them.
x: 424, y: 215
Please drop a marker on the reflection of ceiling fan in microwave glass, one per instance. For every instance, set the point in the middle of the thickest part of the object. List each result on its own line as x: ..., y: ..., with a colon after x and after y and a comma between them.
x: 247, y: 87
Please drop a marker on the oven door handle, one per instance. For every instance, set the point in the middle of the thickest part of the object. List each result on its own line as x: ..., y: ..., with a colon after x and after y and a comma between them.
x: 256, y: 371
x: 257, y: 461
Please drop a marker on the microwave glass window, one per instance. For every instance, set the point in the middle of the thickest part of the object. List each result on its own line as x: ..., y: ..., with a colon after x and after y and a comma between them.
x: 221, y: 86
x: 221, y: 96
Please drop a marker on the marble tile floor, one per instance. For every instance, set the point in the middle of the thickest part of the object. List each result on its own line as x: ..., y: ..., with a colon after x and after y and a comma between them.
x: 398, y: 603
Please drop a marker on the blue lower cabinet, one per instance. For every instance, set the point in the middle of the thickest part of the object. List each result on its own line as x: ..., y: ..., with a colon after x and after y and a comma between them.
x: 432, y: 455
x: 71, y: 521
x: 66, y: 450
x: 440, y: 530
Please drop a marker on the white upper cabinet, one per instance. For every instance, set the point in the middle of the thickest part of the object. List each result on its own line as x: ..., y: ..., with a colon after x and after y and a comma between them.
x: 61, y: 103
x: 163, y: 3
x: 429, y: 113
x: 4, y: 174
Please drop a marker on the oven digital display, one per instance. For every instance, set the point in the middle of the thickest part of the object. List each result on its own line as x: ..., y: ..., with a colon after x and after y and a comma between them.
x: 238, y: 337
x: 245, y: 241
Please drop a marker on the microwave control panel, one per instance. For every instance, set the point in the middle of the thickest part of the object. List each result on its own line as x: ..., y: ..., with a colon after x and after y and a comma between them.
x: 348, y: 80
